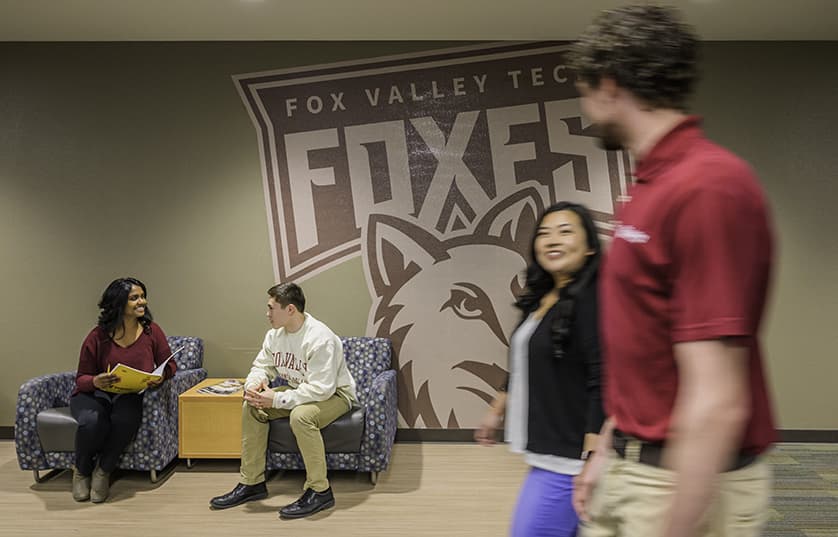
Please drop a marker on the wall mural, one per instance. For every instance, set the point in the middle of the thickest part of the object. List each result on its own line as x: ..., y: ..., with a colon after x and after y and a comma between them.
x: 433, y: 168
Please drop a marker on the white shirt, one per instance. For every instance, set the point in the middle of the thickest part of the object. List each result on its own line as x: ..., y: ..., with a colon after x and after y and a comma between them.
x: 517, y: 405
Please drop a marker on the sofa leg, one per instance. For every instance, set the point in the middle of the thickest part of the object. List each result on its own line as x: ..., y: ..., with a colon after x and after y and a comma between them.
x: 373, y: 477
x: 164, y: 472
x: 49, y: 475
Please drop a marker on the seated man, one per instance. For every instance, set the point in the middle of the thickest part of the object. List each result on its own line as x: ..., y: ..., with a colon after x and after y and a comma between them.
x: 309, y: 356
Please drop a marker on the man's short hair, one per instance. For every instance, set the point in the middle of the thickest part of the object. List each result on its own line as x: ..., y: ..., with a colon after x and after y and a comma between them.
x: 289, y: 293
x: 645, y: 49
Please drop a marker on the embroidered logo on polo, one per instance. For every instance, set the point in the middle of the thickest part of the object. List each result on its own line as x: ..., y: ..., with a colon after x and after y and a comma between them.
x: 631, y: 234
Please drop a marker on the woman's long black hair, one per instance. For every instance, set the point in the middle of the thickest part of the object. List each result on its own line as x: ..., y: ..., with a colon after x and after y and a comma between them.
x: 113, y: 303
x: 540, y: 282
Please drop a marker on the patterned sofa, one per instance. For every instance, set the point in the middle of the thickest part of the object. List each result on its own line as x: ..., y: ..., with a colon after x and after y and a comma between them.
x: 362, y: 439
x: 45, y: 431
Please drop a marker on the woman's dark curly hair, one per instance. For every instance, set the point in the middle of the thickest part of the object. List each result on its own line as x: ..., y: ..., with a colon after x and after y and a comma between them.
x: 540, y: 282
x: 645, y: 49
x: 113, y: 303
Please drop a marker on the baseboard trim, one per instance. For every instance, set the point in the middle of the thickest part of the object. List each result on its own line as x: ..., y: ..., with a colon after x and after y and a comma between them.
x: 820, y: 436
x: 815, y: 436
x: 434, y: 435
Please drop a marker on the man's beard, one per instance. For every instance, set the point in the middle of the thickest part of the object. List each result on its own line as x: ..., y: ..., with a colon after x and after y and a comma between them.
x: 608, y: 137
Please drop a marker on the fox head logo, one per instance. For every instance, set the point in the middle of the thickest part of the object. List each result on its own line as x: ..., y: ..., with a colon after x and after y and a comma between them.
x: 447, y: 305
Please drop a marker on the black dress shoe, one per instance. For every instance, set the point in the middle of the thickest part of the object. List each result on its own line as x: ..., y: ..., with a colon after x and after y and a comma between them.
x: 308, y: 504
x: 239, y: 495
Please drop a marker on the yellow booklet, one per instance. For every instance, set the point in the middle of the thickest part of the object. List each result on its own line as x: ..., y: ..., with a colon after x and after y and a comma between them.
x: 133, y: 380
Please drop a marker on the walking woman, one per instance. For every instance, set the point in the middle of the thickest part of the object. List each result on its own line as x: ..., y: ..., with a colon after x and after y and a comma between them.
x: 551, y: 403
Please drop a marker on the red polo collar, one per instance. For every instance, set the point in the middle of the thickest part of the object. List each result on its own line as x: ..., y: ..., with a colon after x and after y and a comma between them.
x: 669, y: 149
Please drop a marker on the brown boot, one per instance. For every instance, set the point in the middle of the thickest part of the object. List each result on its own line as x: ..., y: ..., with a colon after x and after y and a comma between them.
x: 81, y: 486
x: 100, y: 485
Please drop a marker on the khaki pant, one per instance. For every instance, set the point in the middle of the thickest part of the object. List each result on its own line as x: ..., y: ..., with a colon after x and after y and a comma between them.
x: 306, y: 421
x: 633, y: 499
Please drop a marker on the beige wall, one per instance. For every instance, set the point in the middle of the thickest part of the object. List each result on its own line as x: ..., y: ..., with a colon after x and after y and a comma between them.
x: 140, y: 159
x: 775, y: 104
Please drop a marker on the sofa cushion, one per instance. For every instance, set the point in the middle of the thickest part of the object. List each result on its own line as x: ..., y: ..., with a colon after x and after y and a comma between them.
x: 341, y: 436
x: 57, y: 429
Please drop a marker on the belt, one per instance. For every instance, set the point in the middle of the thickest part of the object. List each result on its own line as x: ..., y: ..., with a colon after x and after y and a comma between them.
x: 651, y: 453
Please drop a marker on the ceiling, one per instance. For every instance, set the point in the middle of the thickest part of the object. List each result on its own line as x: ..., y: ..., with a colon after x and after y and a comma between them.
x: 472, y: 20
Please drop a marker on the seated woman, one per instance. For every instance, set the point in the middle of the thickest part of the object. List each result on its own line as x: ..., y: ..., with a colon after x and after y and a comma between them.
x: 108, y: 421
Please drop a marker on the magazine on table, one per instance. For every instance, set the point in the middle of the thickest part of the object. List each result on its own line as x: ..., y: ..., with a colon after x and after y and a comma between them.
x: 225, y: 387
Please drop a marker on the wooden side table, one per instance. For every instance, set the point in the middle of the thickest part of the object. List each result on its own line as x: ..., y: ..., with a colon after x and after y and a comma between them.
x: 209, y: 425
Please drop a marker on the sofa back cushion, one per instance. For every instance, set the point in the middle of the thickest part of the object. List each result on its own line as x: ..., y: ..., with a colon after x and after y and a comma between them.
x: 192, y: 356
x: 366, y: 358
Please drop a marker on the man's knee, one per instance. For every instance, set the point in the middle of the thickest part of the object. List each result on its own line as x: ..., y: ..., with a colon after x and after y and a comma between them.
x: 303, y: 417
x: 250, y: 413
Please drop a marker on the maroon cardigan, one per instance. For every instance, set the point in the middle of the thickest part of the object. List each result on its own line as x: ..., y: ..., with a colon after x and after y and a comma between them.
x: 98, y: 352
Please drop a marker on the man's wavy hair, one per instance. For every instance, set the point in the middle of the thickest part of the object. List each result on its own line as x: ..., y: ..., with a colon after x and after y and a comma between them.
x: 112, y: 304
x: 645, y: 49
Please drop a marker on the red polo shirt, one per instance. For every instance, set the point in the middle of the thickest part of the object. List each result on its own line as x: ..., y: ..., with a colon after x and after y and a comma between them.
x: 690, y: 260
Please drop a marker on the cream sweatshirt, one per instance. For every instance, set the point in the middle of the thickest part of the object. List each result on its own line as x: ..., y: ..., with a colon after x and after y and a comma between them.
x: 310, y: 360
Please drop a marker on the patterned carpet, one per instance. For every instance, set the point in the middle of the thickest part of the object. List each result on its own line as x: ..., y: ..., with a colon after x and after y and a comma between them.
x: 805, y: 491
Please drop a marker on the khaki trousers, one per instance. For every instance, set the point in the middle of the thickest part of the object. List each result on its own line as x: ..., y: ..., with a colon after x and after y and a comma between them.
x: 306, y: 421
x: 633, y: 499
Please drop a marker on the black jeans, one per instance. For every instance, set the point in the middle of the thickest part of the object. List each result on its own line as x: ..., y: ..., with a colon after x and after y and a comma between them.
x: 107, y: 424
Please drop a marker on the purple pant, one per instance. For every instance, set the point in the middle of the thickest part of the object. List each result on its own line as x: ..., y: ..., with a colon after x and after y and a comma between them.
x: 544, y: 506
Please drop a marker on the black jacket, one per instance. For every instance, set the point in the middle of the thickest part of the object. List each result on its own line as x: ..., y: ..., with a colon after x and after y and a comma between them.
x: 565, y: 400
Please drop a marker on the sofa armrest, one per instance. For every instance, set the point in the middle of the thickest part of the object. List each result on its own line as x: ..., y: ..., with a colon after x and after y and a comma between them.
x: 34, y: 396
x: 159, y: 427
x: 381, y: 420
x: 185, y: 379
x: 164, y: 400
